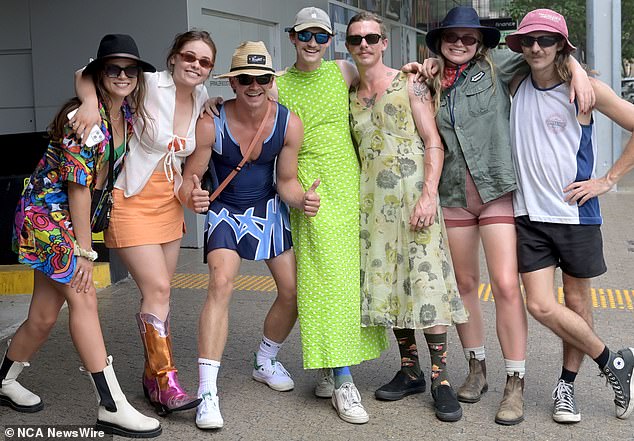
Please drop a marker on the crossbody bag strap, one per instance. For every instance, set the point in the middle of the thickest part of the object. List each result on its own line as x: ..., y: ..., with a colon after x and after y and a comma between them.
x: 238, y: 167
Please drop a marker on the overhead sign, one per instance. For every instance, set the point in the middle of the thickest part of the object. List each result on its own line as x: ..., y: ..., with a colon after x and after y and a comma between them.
x: 503, y: 23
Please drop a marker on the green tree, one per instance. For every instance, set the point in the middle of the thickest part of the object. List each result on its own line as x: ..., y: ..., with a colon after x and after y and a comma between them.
x: 575, y: 13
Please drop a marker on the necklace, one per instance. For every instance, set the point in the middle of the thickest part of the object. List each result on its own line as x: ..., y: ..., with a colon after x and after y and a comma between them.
x: 117, y: 118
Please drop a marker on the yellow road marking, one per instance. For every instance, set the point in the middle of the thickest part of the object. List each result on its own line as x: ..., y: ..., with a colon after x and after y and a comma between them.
x: 604, y: 298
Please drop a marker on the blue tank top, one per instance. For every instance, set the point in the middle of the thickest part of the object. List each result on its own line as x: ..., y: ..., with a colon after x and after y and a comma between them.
x: 256, y: 180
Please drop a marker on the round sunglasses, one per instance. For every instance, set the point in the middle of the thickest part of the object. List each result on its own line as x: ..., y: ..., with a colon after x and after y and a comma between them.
x: 543, y: 41
x: 113, y: 71
x: 320, y: 37
x: 452, y: 37
x: 355, y: 40
x: 204, y: 62
x: 247, y: 80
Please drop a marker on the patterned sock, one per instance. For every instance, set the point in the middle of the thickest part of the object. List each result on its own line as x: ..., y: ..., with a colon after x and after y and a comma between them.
x: 437, y: 344
x: 513, y: 366
x: 342, y: 375
x: 268, y: 350
x: 406, y: 340
x: 208, y: 376
x: 568, y: 376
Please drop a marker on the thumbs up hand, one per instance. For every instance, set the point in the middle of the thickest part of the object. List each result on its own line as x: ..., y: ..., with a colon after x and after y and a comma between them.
x: 312, y: 200
x: 199, y: 197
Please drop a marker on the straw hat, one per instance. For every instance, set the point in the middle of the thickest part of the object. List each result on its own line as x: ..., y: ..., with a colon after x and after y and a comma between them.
x: 250, y: 58
x: 117, y: 46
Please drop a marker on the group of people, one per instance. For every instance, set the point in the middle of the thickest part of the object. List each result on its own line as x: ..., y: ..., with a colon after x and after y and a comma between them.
x: 365, y: 190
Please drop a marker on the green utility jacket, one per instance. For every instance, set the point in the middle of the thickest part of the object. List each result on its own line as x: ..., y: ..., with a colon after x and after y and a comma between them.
x: 478, y: 138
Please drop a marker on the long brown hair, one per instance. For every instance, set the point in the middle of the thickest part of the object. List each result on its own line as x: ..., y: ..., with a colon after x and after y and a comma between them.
x: 135, y: 100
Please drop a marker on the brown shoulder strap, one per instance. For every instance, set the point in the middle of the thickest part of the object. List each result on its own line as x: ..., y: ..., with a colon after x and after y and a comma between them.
x: 246, y: 155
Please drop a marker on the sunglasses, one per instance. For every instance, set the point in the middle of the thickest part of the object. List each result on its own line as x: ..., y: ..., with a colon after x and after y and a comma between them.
x: 467, y: 40
x: 113, y: 71
x: 543, y: 41
x: 247, y: 80
x: 355, y: 40
x: 320, y: 37
x: 188, y: 57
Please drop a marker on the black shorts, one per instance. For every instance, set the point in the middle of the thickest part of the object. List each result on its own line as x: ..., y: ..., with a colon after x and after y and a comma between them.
x: 576, y: 249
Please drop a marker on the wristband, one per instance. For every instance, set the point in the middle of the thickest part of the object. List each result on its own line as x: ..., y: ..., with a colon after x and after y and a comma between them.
x: 88, y: 254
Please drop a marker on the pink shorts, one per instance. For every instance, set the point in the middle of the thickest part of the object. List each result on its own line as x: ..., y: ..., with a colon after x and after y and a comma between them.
x: 497, y: 211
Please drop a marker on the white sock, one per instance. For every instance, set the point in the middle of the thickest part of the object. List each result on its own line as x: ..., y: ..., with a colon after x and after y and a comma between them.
x: 268, y: 350
x: 208, y: 376
x: 513, y: 366
x: 478, y: 352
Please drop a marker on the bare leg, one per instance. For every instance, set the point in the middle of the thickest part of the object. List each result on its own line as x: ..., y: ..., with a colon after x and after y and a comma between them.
x: 283, y: 313
x: 564, y: 322
x: 46, y: 303
x: 578, y: 299
x: 83, y: 323
x: 152, y: 268
x: 463, y: 244
x: 213, y: 327
x: 499, y: 241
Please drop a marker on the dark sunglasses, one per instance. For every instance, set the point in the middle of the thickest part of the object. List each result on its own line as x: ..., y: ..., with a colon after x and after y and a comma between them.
x: 543, y: 41
x: 320, y: 37
x: 355, y: 40
x: 188, y: 57
x: 467, y: 40
x: 113, y: 71
x: 247, y: 80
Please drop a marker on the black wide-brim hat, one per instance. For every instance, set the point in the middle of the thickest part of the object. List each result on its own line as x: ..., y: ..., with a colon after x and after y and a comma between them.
x: 462, y: 17
x: 117, y: 46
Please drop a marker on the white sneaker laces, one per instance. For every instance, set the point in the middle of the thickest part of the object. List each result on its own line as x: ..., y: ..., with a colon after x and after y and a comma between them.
x: 351, y: 397
x: 564, y: 397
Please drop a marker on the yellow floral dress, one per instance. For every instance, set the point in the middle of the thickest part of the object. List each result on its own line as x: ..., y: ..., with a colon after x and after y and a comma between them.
x: 407, y: 278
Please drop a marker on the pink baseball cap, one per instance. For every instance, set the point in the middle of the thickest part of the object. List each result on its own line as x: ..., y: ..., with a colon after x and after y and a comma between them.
x: 540, y: 20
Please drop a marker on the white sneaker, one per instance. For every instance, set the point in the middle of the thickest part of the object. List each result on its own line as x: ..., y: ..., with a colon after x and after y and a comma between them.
x: 273, y: 374
x: 347, y: 402
x: 208, y: 413
x: 326, y: 385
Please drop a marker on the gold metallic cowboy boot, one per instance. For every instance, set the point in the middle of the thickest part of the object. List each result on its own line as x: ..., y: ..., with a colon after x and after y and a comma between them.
x: 511, y: 409
x: 475, y: 385
x: 160, y: 382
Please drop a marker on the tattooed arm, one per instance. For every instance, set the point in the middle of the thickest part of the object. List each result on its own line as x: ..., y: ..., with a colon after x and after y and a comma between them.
x: 421, y: 102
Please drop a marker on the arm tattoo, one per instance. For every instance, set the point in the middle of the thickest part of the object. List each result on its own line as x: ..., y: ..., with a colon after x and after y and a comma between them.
x: 421, y: 91
x: 369, y: 102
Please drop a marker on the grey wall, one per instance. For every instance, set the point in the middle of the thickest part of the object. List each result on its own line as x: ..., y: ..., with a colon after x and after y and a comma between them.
x: 16, y: 73
x: 58, y: 37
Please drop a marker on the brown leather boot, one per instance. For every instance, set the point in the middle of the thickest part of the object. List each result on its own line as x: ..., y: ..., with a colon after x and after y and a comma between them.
x: 476, y: 382
x: 511, y: 409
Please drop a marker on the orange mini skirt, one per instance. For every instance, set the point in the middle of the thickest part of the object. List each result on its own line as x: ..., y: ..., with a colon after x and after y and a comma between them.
x: 153, y: 216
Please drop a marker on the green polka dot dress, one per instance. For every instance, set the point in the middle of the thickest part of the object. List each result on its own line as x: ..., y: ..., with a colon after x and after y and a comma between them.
x: 327, y: 246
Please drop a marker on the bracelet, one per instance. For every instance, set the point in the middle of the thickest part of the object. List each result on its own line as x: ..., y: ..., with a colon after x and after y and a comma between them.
x: 435, y: 147
x: 88, y: 254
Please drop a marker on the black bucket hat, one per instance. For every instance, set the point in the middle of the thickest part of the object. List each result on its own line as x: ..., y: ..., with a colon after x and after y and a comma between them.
x: 463, y: 17
x: 117, y: 46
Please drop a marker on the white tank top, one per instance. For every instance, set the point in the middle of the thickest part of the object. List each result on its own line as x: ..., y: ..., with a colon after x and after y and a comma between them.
x: 551, y: 149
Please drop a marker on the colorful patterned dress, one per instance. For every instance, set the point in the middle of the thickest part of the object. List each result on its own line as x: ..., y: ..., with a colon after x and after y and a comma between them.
x: 407, y: 278
x: 43, y: 235
x: 327, y: 245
